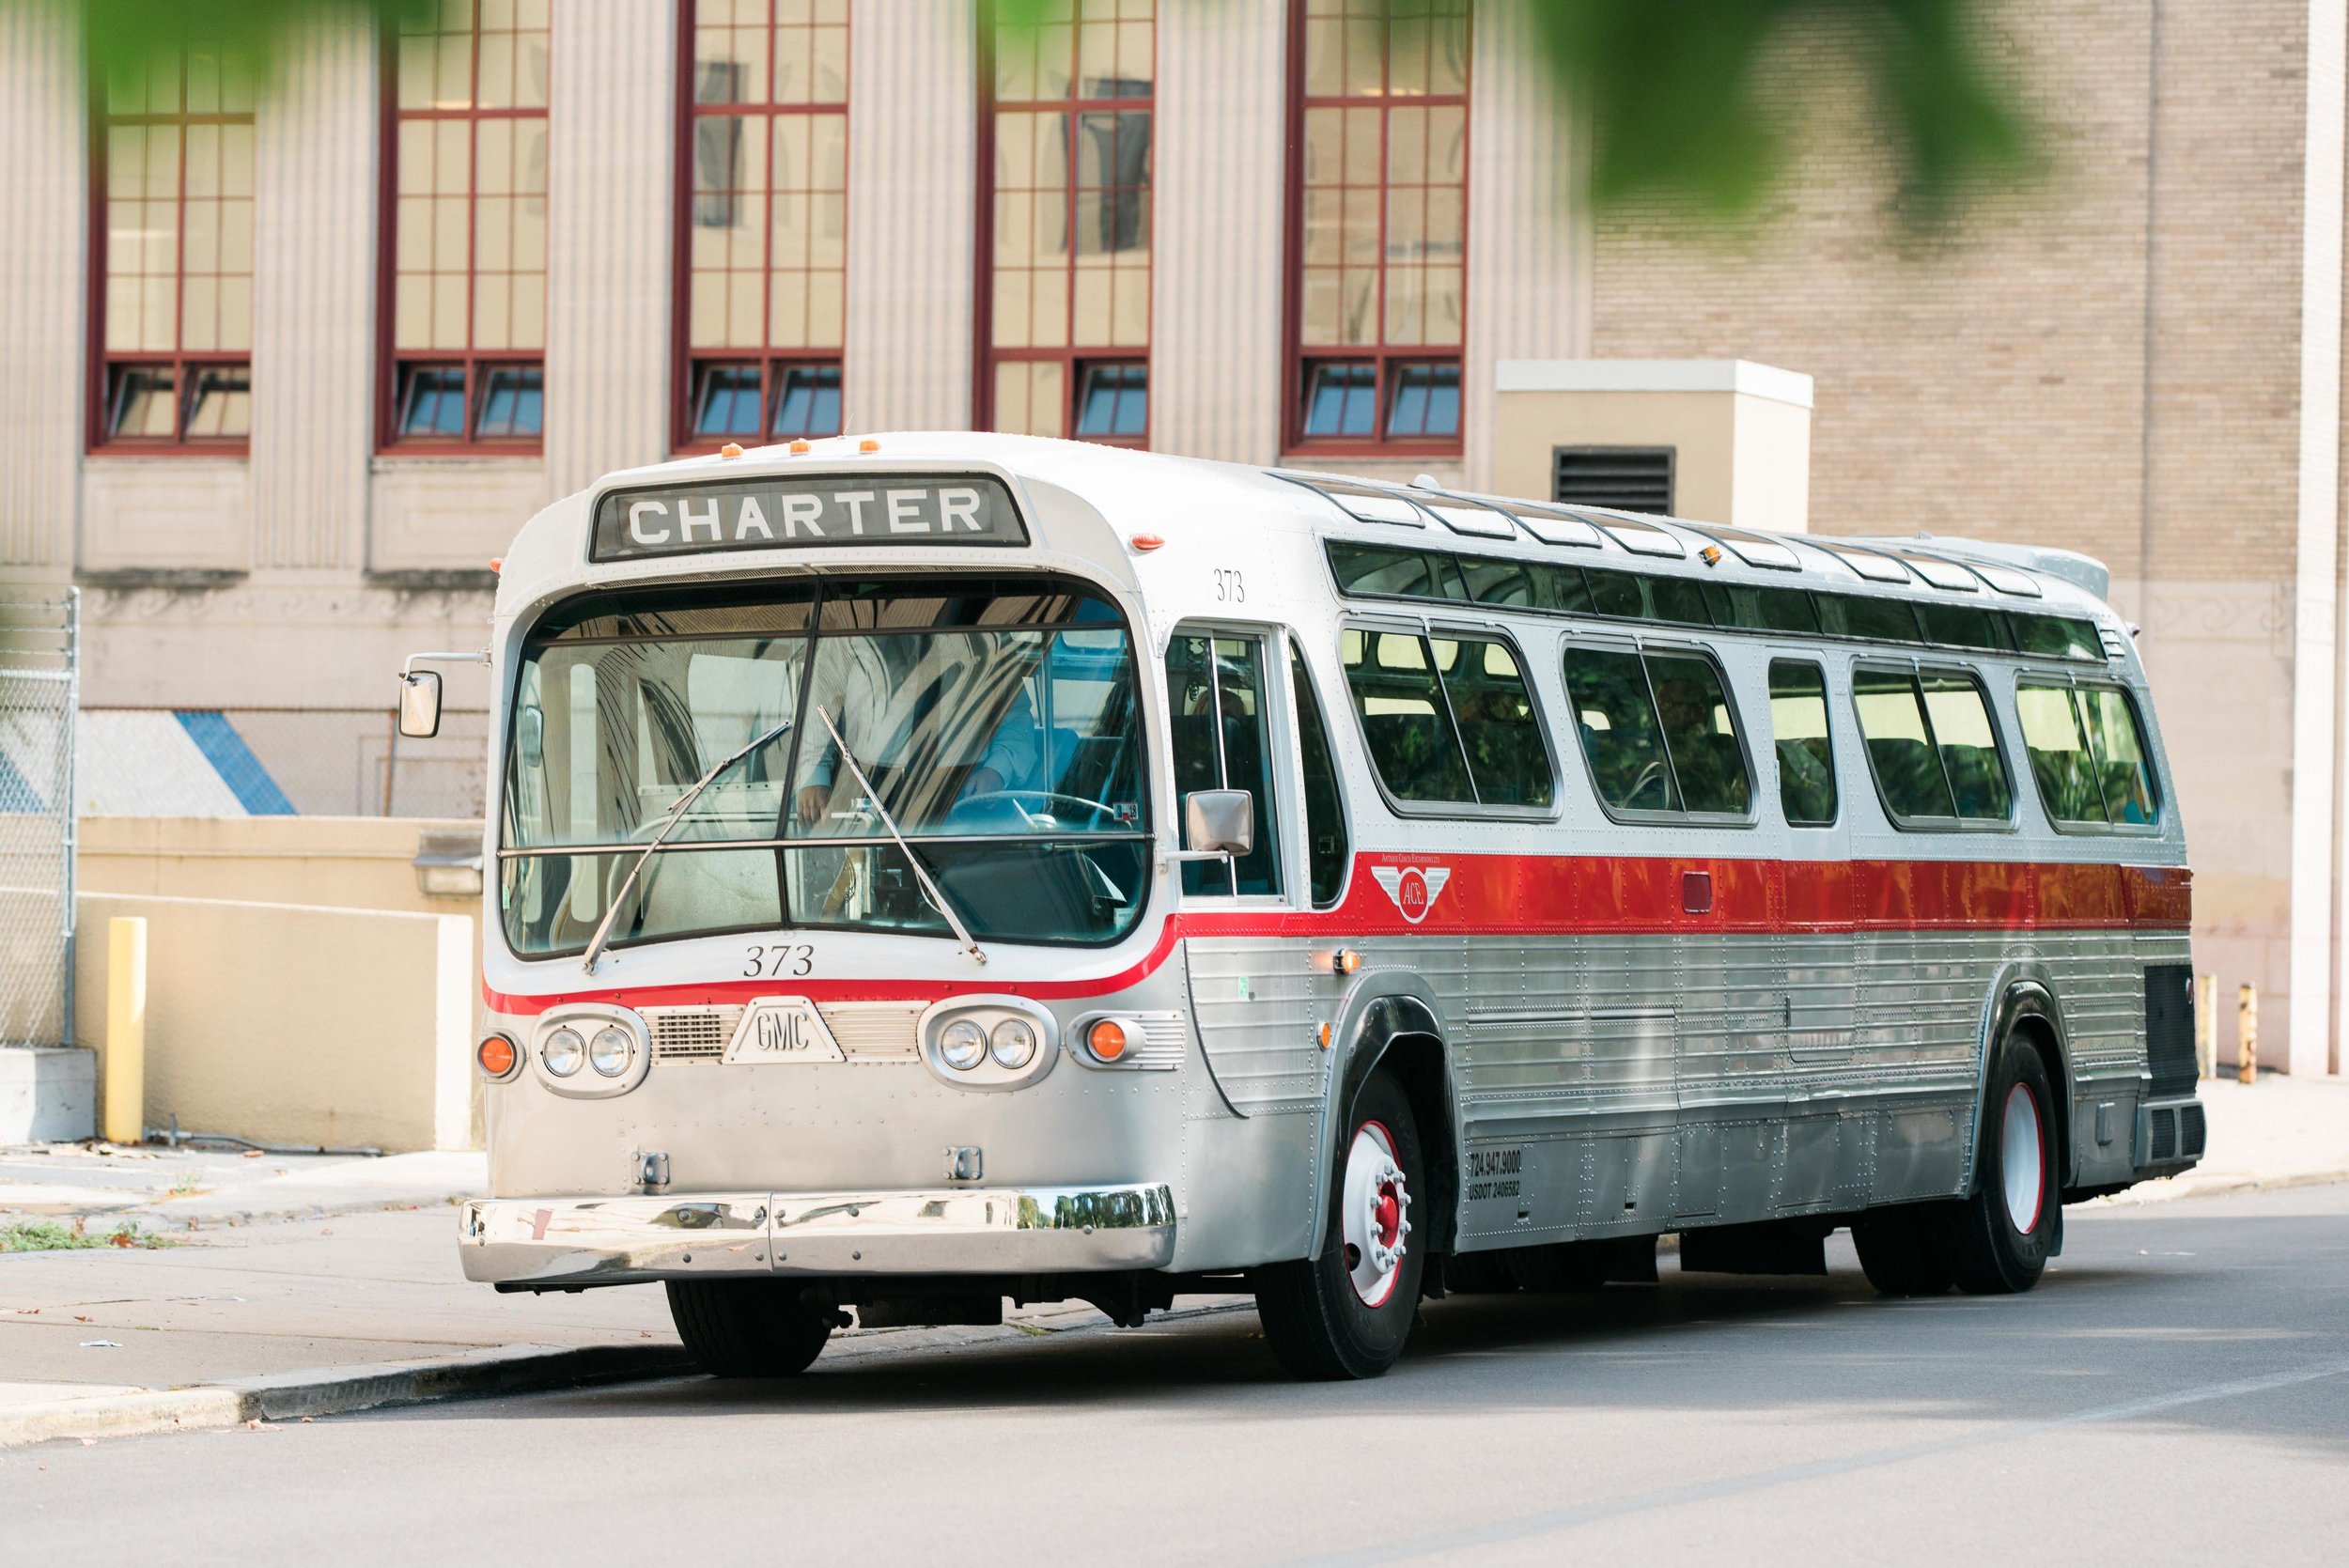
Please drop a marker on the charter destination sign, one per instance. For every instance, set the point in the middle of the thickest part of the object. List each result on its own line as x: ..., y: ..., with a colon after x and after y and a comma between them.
x: 781, y: 513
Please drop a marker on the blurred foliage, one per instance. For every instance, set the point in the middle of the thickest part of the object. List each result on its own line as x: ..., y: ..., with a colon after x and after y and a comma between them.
x: 1679, y: 93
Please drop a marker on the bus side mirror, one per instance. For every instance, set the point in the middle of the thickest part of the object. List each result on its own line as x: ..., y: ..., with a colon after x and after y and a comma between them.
x: 419, y: 704
x: 1218, y: 822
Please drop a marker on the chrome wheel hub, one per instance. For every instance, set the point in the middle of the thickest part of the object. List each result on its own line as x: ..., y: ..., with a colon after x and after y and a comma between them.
x: 1374, y: 1215
x: 2022, y: 1153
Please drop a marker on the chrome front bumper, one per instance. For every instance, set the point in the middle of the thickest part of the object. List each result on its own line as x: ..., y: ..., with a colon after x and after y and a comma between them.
x: 1057, y: 1230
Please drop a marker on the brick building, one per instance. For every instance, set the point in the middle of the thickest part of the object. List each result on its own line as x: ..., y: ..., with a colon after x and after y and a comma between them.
x: 283, y: 368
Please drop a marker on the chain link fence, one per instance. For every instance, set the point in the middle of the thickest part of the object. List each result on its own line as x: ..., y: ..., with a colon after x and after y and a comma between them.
x: 40, y: 646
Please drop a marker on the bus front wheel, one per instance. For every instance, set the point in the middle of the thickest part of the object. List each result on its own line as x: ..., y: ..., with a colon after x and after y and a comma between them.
x: 1345, y: 1314
x: 747, y: 1327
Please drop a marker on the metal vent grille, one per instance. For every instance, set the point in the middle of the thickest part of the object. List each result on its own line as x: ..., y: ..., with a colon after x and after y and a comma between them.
x: 1163, y: 1037
x: 2193, y: 1133
x: 876, y: 1030
x: 690, y: 1033
x: 1626, y: 478
x: 2115, y: 645
x: 2164, y: 1136
x: 2170, y: 1029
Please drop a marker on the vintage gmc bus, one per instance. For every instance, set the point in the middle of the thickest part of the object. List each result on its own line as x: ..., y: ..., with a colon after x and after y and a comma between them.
x: 932, y: 869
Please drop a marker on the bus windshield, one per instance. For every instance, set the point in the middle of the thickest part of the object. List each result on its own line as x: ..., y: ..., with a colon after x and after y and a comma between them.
x: 994, y: 719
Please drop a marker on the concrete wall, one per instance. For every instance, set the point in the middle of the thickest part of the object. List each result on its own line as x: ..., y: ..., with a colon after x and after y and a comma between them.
x: 48, y: 1093
x: 1740, y: 432
x: 345, y: 862
x: 292, y: 1024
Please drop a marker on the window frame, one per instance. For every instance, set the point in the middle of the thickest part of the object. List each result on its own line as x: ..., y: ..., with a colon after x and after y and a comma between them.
x: 1301, y: 666
x: 390, y: 360
x: 1638, y: 647
x: 1071, y: 358
x: 1826, y: 713
x: 773, y: 364
x: 2066, y: 679
x: 1456, y: 811
x: 1917, y: 670
x: 99, y: 365
x: 1283, y: 766
x: 1385, y: 358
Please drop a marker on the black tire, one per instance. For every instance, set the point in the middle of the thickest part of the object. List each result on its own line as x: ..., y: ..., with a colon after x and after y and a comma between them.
x: 1317, y: 1322
x: 1905, y: 1251
x: 747, y: 1327
x: 1993, y: 1249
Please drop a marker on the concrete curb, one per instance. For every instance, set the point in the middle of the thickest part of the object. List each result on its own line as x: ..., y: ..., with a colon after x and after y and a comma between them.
x: 2181, y: 1187
x: 336, y: 1391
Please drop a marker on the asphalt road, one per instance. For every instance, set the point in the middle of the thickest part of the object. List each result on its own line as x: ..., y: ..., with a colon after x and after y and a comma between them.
x: 2176, y: 1390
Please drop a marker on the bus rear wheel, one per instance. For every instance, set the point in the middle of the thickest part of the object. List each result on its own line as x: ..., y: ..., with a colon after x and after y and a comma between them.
x: 2002, y: 1236
x: 747, y: 1327
x: 1345, y: 1314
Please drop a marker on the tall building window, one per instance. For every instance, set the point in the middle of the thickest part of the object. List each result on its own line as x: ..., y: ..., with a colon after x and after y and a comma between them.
x: 465, y: 228
x: 763, y: 233
x: 1378, y: 223
x: 173, y: 317
x: 1063, y: 302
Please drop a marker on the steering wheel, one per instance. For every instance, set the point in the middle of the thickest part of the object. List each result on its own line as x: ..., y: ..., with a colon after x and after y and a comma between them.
x: 1019, y: 809
x: 1652, y: 776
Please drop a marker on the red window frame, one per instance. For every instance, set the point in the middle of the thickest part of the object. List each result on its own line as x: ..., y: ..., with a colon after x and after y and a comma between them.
x: 390, y: 359
x: 1071, y: 358
x: 183, y: 362
x: 1384, y: 357
x: 772, y: 362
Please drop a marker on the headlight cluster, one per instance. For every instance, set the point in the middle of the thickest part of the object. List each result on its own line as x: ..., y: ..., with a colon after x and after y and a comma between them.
x: 985, y: 1042
x: 963, y: 1044
x: 595, y: 1053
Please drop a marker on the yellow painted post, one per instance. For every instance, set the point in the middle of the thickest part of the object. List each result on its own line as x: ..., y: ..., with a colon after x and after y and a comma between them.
x: 126, y: 1029
x: 2206, y: 1024
x: 2246, y: 1034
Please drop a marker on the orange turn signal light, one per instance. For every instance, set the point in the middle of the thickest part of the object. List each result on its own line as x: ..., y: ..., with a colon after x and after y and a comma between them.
x: 497, y: 1055
x: 869, y: 445
x: 798, y: 448
x: 1106, y: 1040
x: 731, y: 449
x: 1710, y: 555
x: 1345, y: 961
x: 1148, y: 541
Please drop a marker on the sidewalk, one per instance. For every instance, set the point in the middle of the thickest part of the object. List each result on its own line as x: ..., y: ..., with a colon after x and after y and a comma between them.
x: 245, y: 1316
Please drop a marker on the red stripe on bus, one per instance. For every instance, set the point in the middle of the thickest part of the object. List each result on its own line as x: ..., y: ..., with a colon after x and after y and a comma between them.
x: 1541, y: 896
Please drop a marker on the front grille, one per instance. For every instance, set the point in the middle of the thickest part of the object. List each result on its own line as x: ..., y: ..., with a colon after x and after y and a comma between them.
x: 690, y: 1033
x: 867, y: 1030
x: 2165, y: 1137
x: 2193, y: 1133
x: 2170, y: 1029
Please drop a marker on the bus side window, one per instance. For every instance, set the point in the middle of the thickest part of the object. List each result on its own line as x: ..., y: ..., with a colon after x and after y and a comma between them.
x: 2131, y: 798
x: 1932, y: 746
x: 1806, y: 751
x: 1326, y: 843
x: 1406, y: 723
x: 1215, y: 687
x: 1508, y: 765
x: 1616, y: 716
x: 2061, y: 763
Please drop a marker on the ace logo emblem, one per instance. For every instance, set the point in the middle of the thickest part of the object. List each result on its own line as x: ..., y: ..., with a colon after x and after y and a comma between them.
x: 783, y: 1029
x: 1413, y: 887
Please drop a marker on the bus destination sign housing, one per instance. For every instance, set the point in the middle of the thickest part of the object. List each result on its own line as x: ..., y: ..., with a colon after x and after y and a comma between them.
x: 816, y: 512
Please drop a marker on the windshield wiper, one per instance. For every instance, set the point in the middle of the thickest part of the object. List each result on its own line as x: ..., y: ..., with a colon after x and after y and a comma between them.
x: 929, y: 889
x: 677, y: 814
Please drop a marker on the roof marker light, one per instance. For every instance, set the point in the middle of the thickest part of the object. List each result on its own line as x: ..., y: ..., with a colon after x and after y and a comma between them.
x: 497, y: 563
x: 730, y: 449
x: 1710, y: 555
x: 1148, y: 541
x: 798, y: 447
x: 869, y: 445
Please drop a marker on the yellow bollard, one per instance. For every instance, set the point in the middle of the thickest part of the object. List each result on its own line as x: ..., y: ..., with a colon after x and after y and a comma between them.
x: 126, y: 1031
x: 2206, y: 1024
x: 2246, y: 1034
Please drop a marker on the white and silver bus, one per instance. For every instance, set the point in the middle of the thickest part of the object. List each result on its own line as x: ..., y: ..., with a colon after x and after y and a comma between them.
x: 934, y: 869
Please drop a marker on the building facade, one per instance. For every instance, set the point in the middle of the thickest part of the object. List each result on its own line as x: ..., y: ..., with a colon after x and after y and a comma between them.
x: 286, y: 364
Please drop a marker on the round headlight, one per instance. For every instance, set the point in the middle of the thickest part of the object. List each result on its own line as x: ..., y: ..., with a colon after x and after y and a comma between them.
x: 610, y: 1051
x: 563, y: 1052
x: 1014, y: 1043
x: 962, y: 1043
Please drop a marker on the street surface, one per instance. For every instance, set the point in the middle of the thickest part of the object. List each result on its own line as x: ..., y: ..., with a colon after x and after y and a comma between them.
x: 2176, y: 1390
